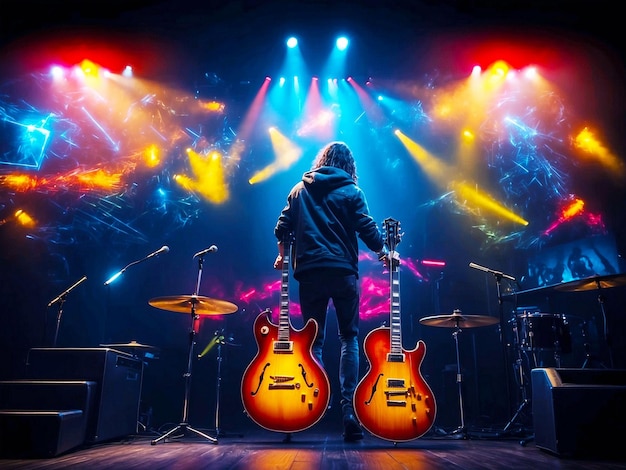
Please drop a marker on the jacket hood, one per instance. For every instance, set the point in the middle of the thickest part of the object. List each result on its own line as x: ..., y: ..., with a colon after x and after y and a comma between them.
x: 326, y: 178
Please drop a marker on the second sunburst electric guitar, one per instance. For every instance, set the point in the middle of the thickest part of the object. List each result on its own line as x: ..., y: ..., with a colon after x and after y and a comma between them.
x: 284, y: 388
x: 392, y: 400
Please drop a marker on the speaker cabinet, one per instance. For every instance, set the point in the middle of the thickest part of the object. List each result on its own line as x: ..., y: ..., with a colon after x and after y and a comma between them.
x: 578, y: 412
x: 118, y: 376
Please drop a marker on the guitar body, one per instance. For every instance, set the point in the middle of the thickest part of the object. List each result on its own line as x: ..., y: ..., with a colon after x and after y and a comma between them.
x: 392, y: 400
x: 284, y: 388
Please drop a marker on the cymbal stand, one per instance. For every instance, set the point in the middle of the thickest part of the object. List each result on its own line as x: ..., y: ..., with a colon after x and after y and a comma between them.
x: 461, y: 431
x: 184, y: 424
x: 605, y: 330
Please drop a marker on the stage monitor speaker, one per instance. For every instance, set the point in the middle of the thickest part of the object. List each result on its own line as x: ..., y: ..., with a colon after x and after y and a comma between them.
x: 118, y: 375
x: 578, y: 412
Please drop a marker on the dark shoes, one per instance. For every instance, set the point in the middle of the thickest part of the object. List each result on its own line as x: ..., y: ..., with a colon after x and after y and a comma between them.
x: 351, y: 428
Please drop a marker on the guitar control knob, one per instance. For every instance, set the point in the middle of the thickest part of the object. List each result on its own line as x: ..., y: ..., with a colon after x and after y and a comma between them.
x: 265, y: 330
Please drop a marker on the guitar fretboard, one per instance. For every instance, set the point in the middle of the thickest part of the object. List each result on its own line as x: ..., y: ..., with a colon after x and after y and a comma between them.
x: 395, y: 352
x: 283, y: 344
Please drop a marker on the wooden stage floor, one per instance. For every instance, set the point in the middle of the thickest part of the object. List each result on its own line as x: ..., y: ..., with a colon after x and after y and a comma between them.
x: 311, y: 449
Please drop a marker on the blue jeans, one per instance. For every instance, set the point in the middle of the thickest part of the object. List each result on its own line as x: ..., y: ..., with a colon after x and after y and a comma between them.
x: 316, y: 289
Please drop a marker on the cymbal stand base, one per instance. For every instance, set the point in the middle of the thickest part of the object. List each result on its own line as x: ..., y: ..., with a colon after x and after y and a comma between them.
x: 459, y: 433
x: 183, y: 427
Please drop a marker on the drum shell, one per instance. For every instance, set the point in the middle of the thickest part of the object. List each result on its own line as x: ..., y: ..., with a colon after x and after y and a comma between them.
x: 538, y: 331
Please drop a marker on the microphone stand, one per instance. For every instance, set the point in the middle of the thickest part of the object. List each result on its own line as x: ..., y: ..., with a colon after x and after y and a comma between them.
x: 61, y: 300
x: 184, y: 423
x: 498, y: 275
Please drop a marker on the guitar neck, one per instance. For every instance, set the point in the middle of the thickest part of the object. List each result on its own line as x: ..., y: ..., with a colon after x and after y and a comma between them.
x: 284, y: 325
x: 395, y: 316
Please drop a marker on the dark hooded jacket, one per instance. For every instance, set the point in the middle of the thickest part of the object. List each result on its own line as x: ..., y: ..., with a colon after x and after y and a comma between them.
x: 325, y: 212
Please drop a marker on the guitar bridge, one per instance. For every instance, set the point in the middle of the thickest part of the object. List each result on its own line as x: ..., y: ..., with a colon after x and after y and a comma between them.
x: 282, y: 378
x: 396, y: 403
x: 404, y: 393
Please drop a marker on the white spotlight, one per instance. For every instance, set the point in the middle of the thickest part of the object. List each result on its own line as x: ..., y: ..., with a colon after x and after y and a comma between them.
x: 292, y: 42
x: 342, y: 43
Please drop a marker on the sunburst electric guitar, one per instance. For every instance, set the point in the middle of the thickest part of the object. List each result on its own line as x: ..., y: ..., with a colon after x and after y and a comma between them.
x: 392, y: 400
x: 284, y: 388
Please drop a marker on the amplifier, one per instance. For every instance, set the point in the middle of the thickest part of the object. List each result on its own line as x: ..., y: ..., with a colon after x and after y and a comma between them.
x: 118, y: 376
x: 576, y: 411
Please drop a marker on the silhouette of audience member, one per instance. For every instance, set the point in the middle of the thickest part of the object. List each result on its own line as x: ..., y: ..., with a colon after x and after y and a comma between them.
x: 579, y: 264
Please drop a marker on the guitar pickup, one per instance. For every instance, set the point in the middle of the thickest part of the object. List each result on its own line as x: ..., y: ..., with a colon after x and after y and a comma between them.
x: 395, y: 357
x: 283, y: 346
x: 395, y: 383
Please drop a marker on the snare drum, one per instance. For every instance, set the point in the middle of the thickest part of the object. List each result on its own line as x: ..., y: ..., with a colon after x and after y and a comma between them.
x: 538, y: 331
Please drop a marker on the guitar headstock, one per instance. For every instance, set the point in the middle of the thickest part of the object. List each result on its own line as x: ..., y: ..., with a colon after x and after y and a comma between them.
x: 391, y: 229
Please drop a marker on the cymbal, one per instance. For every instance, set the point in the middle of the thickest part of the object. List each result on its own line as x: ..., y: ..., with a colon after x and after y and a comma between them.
x: 456, y: 319
x: 202, y: 305
x: 593, y: 282
x: 132, y: 344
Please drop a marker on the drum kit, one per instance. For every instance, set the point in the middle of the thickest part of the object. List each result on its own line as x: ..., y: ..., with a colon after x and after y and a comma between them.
x: 534, y: 332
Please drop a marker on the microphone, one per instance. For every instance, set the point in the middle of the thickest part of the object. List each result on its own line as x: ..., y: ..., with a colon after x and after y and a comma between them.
x: 163, y: 249
x: 63, y: 294
x: 211, y: 249
x: 487, y: 270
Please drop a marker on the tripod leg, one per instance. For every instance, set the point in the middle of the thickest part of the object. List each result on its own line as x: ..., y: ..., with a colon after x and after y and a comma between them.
x: 166, y: 435
x: 200, y: 433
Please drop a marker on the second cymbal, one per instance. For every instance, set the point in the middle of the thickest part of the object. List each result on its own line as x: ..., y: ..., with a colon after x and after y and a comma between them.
x: 201, y: 305
x: 458, y: 320
x: 593, y: 283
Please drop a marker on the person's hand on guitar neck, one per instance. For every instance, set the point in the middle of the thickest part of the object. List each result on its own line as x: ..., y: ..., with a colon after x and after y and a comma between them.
x: 385, y: 256
x: 278, y: 262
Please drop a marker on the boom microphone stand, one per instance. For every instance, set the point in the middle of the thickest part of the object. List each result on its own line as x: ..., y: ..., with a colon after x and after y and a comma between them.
x: 498, y: 275
x: 61, y: 300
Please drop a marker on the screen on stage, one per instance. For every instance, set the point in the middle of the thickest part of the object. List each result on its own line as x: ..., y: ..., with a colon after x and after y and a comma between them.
x: 593, y: 256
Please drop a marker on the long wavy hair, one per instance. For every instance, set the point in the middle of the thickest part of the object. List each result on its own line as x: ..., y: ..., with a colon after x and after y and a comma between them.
x: 339, y: 155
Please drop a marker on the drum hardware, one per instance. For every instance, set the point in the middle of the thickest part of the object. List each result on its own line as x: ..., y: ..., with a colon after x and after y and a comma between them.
x: 521, y: 377
x: 456, y: 320
x: 195, y: 305
x: 589, y: 357
x: 597, y: 283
